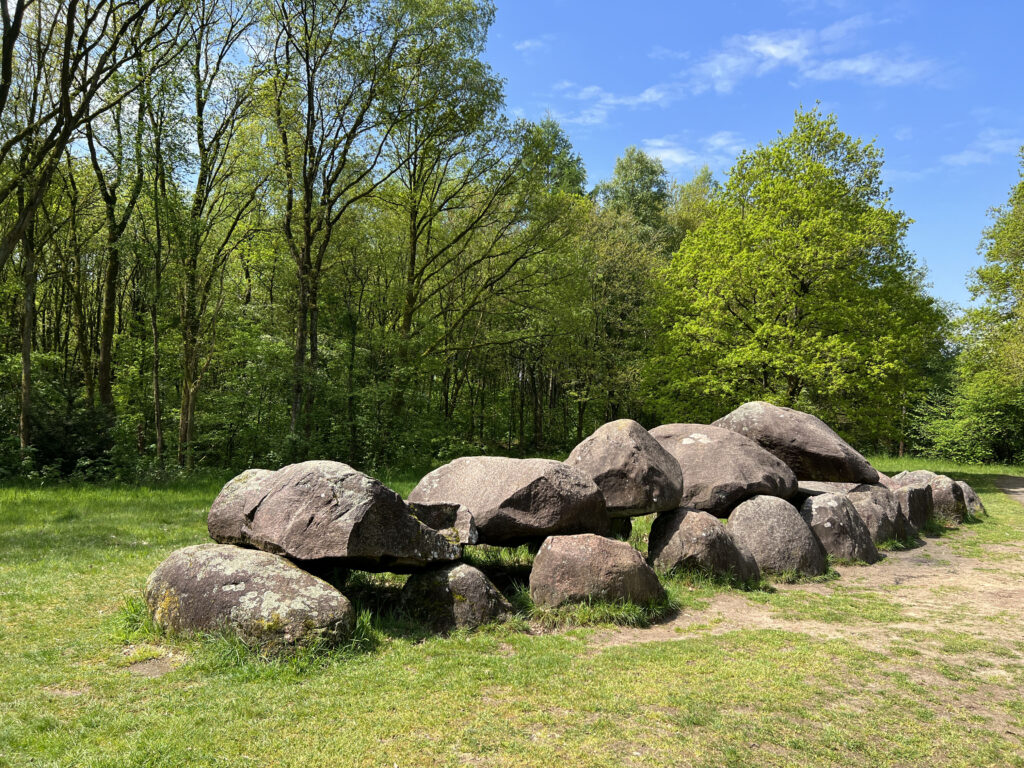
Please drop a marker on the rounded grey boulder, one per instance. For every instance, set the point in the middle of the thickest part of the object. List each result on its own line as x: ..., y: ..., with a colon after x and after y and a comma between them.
x: 453, y: 597
x: 839, y: 528
x: 574, y: 569
x: 322, y: 512
x: 804, y: 442
x: 259, y: 596
x: 721, y: 468
x: 691, y: 539
x: 780, y: 540
x: 634, y: 472
x: 516, y: 501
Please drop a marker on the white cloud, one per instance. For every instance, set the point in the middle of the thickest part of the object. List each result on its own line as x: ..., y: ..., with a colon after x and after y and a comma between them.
x: 602, y: 102
x: 811, y: 53
x: 532, y: 44
x: 989, y: 145
x: 718, y: 150
x: 876, y: 68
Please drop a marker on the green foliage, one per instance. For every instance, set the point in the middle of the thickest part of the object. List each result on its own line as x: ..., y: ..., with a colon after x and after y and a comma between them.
x: 798, y: 289
x: 979, y: 416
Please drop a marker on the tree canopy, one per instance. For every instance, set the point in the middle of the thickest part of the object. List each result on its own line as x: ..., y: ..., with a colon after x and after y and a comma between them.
x: 798, y: 288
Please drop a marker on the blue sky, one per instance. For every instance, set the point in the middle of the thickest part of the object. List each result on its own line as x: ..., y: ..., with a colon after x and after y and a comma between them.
x: 938, y: 84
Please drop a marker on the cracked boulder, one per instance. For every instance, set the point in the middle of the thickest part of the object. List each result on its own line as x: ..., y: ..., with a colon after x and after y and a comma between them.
x: 841, y: 531
x: 325, y: 513
x: 975, y: 507
x: 693, y: 540
x: 228, y: 511
x: 517, y: 501
x: 634, y: 472
x: 948, y: 501
x: 780, y: 540
x: 804, y: 442
x: 576, y: 569
x: 721, y: 467
x: 453, y: 597
x: 261, y: 597
x: 876, y: 505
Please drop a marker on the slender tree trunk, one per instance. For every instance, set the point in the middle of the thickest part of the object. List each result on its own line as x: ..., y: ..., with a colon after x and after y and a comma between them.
x: 299, y: 361
x: 28, y: 321
x: 107, y: 326
x: 158, y: 416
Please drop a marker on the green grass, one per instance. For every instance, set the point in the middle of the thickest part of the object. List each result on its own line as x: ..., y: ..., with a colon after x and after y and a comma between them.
x: 73, y: 633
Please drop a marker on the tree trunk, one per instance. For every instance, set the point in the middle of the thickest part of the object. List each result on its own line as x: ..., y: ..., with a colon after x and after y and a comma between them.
x: 299, y: 361
x: 107, y: 327
x: 28, y: 322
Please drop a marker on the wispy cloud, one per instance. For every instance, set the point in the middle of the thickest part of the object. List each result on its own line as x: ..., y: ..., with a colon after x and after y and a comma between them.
x: 826, y: 54
x: 717, y: 150
x: 812, y: 54
x: 989, y: 144
x: 600, y: 102
x: 533, y: 44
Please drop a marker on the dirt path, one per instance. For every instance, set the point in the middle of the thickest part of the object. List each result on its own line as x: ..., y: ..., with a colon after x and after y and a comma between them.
x: 934, y: 589
x: 1011, y: 486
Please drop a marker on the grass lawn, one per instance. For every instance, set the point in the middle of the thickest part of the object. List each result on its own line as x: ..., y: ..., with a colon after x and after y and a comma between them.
x: 916, y: 661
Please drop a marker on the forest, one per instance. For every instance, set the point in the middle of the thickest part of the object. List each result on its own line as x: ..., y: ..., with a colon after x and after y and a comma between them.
x: 242, y: 233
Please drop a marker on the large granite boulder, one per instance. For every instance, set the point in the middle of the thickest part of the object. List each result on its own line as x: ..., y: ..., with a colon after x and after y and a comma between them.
x: 839, y: 528
x: 780, y: 540
x: 325, y: 512
x: 636, y: 475
x: 804, y: 442
x: 453, y: 597
x: 261, y: 597
x: 517, y: 501
x: 721, y: 467
x: 228, y: 512
x: 691, y: 539
x: 916, y: 504
x: 975, y: 507
x: 574, y: 569
x: 948, y: 502
x: 876, y: 505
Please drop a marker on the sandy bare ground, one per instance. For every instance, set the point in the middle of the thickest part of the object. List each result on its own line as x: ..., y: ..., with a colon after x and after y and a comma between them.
x: 936, y: 588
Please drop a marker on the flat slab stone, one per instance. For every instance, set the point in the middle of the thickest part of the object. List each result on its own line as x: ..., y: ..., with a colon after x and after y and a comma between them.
x: 804, y: 442
x: 721, y: 468
x: 326, y: 512
x: 516, y: 501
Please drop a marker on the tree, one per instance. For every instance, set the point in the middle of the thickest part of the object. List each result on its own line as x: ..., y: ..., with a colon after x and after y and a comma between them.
x: 980, y: 417
x: 639, y: 186
x: 798, y: 288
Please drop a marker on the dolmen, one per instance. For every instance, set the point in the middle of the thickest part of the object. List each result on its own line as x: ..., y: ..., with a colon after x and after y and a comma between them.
x: 764, y: 490
x: 274, y: 530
